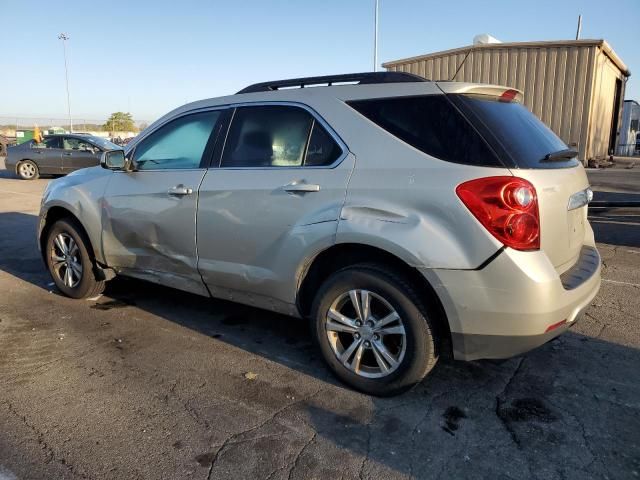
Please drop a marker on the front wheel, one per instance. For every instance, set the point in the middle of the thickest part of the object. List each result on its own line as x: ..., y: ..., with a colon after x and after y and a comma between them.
x: 69, y: 260
x: 373, y: 330
x: 28, y: 170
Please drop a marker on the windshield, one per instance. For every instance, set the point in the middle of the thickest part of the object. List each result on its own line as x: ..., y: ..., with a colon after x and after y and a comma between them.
x: 516, y: 134
x: 103, y: 143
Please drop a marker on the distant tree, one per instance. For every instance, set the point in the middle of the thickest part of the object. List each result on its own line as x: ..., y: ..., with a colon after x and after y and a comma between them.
x: 120, y: 122
x: 143, y: 125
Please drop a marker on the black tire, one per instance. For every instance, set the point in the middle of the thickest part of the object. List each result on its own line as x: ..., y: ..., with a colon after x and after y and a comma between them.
x: 28, y: 170
x: 87, y: 285
x: 421, y: 352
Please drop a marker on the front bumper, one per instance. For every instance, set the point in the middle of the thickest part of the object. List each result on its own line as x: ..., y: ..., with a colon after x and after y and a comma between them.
x: 505, y: 308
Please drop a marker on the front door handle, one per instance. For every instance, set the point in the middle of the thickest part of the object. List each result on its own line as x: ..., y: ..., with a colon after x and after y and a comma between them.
x: 180, y: 191
x: 301, y: 187
x: 67, y: 154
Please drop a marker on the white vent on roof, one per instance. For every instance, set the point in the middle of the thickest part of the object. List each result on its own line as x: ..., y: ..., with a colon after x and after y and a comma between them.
x: 484, y: 38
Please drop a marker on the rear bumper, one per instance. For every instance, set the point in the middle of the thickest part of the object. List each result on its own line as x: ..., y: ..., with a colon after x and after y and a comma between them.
x: 505, y: 308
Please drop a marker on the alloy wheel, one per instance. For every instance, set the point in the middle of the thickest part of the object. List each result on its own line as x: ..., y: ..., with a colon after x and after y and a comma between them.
x: 27, y: 170
x: 366, y: 333
x: 65, y: 259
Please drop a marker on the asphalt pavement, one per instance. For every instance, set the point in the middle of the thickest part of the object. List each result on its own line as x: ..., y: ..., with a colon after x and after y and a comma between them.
x: 147, y: 382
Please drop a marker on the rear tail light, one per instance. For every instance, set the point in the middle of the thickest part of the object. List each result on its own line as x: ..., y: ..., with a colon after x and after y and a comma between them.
x: 507, y: 207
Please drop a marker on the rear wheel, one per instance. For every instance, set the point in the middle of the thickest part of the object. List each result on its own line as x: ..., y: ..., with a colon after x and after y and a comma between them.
x: 373, y: 330
x: 28, y: 170
x: 70, y: 262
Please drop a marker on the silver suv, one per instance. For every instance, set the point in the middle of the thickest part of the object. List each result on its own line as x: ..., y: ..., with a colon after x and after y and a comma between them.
x: 407, y: 219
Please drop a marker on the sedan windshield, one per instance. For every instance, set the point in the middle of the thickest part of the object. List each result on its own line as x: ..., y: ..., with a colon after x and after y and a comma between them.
x: 103, y: 143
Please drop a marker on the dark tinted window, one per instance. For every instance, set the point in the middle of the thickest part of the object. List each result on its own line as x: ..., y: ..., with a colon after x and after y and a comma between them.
x: 179, y: 144
x: 267, y: 136
x: 322, y: 149
x: 431, y: 124
x: 515, y: 132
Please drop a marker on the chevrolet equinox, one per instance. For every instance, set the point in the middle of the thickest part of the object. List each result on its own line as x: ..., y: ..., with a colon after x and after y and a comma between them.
x: 407, y: 219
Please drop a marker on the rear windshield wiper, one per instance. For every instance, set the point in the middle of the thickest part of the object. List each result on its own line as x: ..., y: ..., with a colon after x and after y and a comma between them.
x: 560, y: 155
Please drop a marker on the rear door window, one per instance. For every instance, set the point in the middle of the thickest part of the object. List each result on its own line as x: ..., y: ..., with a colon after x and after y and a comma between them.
x: 521, y: 139
x: 433, y: 125
x: 267, y: 136
x: 49, y: 142
x: 322, y: 149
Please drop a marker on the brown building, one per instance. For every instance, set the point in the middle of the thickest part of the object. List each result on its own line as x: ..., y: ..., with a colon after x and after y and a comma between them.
x: 575, y: 86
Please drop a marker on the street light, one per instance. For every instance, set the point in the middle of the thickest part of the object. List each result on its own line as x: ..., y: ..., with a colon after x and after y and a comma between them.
x: 375, y: 40
x: 64, y: 37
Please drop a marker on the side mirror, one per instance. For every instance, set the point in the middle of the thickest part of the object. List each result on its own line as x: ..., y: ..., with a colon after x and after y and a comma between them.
x: 113, y: 160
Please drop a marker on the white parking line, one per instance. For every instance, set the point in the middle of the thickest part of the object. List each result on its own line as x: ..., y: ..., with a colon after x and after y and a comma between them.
x: 621, y: 283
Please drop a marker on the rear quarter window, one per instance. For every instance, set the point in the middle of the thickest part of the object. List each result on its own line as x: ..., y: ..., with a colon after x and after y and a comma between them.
x: 433, y: 125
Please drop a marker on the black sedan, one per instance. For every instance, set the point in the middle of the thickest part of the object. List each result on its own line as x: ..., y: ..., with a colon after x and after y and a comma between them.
x: 56, y: 154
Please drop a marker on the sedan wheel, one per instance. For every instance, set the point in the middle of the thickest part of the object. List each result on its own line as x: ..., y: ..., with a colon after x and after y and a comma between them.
x: 366, y: 333
x: 28, y: 170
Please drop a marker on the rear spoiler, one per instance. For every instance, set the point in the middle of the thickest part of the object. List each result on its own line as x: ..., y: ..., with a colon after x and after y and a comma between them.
x: 505, y: 94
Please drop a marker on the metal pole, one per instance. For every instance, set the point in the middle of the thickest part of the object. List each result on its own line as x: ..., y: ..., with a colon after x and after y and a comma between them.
x: 64, y: 37
x: 579, y: 27
x: 375, y: 40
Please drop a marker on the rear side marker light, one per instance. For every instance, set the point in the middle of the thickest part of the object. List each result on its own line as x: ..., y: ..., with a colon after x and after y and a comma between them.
x: 507, y: 207
x: 555, y: 325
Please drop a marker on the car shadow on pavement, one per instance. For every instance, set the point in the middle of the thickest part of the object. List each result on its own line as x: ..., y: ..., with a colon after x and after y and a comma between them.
x: 568, y: 409
x: 569, y: 406
x: 616, y: 225
x: 565, y: 410
x: 19, y: 254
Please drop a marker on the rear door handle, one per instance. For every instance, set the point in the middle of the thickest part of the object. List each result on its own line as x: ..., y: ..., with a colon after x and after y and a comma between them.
x: 67, y: 154
x: 301, y: 187
x: 180, y: 191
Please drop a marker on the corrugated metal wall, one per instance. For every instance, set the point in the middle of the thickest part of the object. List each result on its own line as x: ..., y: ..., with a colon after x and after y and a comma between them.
x: 562, y: 85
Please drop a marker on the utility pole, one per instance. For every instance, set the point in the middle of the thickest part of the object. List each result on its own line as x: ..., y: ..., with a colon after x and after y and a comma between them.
x: 64, y: 37
x: 579, y: 27
x: 375, y: 40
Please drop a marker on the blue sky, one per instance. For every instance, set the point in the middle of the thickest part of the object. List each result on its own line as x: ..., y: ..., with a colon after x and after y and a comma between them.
x: 151, y: 56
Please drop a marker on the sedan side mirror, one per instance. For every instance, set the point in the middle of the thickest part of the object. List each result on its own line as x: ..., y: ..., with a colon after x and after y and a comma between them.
x: 113, y: 160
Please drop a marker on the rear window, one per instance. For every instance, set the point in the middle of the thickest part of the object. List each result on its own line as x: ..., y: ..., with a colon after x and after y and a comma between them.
x: 433, y: 125
x: 519, y: 137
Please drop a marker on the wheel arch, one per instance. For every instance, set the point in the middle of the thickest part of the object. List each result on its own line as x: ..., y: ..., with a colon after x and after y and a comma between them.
x: 59, y: 212
x: 343, y: 255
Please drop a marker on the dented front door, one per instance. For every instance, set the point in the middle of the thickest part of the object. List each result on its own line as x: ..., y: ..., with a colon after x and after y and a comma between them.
x: 149, y: 226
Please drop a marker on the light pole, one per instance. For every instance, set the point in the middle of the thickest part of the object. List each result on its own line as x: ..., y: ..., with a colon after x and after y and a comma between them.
x: 375, y: 40
x: 64, y: 37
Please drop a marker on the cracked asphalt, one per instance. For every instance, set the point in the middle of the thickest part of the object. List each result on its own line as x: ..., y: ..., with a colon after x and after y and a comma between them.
x: 150, y: 383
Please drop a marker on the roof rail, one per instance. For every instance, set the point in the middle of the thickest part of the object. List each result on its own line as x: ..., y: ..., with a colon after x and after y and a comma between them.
x: 366, y: 78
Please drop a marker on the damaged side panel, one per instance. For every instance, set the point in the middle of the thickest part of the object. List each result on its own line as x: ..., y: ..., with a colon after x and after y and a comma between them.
x: 410, y: 209
x: 150, y: 234
x: 80, y: 194
x: 253, y: 235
